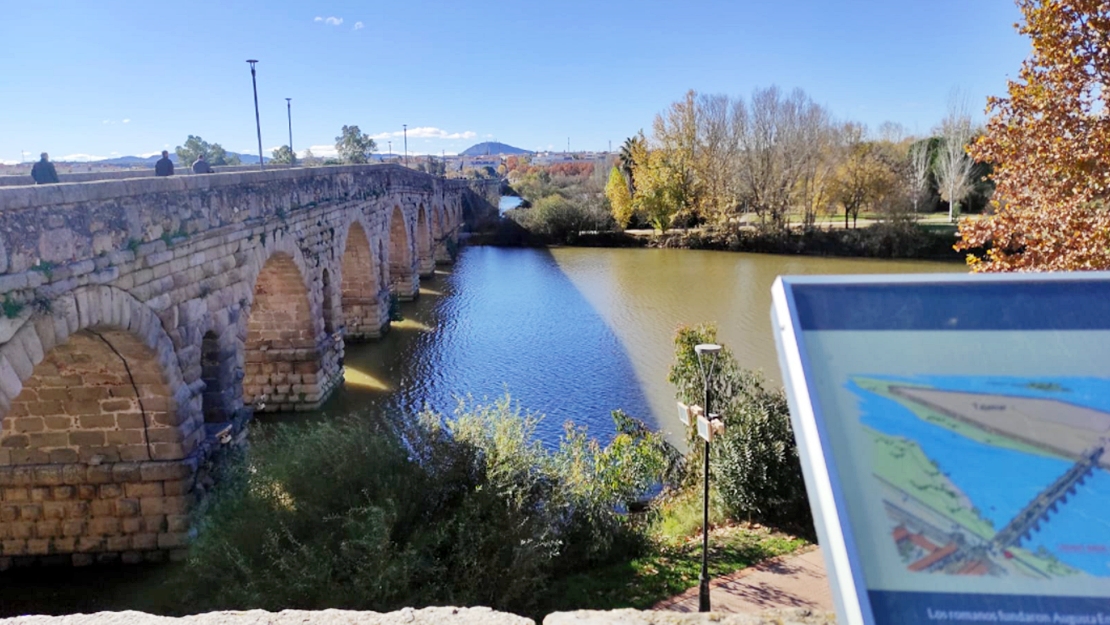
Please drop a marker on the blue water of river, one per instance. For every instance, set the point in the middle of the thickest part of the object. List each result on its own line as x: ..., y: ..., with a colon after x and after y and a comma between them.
x: 1000, y: 482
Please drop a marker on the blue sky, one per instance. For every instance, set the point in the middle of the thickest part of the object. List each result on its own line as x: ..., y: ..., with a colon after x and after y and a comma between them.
x: 111, y: 78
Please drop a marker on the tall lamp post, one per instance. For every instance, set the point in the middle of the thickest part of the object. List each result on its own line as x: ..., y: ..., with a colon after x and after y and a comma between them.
x: 708, y: 425
x: 289, y: 114
x: 405, y: 129
x: 257, y: 123
x: 390, y: 142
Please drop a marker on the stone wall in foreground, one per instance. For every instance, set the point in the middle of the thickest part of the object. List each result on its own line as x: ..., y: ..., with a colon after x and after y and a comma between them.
x: 433, y: 616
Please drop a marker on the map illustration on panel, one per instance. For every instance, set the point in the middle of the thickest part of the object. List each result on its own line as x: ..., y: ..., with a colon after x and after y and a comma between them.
x: 990, y: 476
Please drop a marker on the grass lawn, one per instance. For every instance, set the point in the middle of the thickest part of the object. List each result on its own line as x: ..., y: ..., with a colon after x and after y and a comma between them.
x: 670, y: 568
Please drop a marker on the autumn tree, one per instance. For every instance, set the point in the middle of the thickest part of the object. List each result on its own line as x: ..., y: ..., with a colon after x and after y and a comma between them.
x: 864, y: 178
x: 620, y: 200
x: 775, y: 135
x: 660, y: 186
x: 1049, y: 141
x: 354, y: 146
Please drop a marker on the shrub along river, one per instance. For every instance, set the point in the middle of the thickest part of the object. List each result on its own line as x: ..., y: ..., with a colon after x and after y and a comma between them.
x: 574, y: 333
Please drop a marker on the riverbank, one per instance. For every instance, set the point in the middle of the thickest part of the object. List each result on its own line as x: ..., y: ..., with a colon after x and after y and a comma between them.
x: 879, y: 240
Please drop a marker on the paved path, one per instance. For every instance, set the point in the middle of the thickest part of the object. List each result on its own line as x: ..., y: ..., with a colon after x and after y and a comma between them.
x: 790, y: 582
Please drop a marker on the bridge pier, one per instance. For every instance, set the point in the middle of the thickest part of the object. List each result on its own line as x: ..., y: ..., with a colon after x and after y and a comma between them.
x: 145, y: 320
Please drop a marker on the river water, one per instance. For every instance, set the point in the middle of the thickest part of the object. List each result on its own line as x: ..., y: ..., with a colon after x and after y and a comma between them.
x: 574, y: 333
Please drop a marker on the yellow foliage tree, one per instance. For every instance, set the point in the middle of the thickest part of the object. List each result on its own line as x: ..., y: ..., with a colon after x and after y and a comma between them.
x: 620, y: 200
x: 660, y: 188
x: 1049, y: 142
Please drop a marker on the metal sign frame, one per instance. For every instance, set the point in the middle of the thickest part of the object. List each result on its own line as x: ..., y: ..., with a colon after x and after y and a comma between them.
x: 824, y: 487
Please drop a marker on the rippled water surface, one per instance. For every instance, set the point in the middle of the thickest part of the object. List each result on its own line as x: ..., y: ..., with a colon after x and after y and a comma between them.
x: 574, y: 333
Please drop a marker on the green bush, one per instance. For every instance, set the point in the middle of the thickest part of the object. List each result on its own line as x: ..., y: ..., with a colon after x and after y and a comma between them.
x: 755, y: 464
x: 465, y: 511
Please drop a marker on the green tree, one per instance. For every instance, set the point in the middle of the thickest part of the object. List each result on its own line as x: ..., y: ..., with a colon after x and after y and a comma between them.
x: 619, y: 198
x: 309, y: 159
x: 354, y: 146
x: 214, y: 153
x: 627, y: 160
x: 284, y: 156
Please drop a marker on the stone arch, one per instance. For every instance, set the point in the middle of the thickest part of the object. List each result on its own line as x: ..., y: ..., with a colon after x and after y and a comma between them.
x: 364, y: 300
x: 93, y: 398
x: 282, y: 367
x: 424, y: 261
x: 120, y: 330
x: 403, y: 280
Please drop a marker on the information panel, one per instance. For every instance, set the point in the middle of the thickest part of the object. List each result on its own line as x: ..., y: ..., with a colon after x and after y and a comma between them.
x: 955, y: 440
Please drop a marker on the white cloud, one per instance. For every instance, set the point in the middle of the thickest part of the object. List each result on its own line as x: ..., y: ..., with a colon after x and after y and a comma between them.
x: 425, y: 132
x: 321, y: 151
x: 4, y: 162
x: 127, y: 121
x: 149, y: 154
x: 106, y: 122
x: 80, y: 158
x: 358, y: 25
x: 318, y: 19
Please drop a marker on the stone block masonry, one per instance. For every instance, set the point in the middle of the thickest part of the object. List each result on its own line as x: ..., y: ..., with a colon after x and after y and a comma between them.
x: 144, y: 320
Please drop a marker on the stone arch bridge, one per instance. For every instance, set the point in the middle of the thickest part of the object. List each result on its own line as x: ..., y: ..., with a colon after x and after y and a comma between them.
x: 143, y: 320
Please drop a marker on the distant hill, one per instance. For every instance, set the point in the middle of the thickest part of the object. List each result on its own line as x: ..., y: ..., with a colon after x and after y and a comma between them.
x: 492, y: 147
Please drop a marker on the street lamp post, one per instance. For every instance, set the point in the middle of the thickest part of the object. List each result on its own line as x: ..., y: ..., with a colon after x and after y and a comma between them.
x: 289, y: 113
x: 405, y: 129
x: 706, y: 351
x: 257, y: 123
x: 390, y: 142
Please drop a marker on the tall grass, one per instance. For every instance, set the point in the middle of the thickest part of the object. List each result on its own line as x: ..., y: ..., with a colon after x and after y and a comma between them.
x: 464, y: 511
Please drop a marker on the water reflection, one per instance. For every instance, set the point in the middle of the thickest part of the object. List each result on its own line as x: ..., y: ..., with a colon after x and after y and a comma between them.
x: 501, y: 321
x: 574, y: 333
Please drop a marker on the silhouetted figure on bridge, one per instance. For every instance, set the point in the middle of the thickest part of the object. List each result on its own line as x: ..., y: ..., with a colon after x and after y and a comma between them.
x: 201, y: 166
x: 43, y: 171
x: 164, y: 166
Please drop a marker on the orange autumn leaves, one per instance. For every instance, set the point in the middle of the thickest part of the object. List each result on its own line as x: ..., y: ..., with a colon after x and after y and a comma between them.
x: 1050, y: 143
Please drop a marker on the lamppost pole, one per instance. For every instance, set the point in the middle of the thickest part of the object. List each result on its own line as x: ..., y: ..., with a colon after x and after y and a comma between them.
x: 405, y: 129
x: 706, y: 349
x: 289, y: 113
x: 257, y: 123
x: 390, y: 142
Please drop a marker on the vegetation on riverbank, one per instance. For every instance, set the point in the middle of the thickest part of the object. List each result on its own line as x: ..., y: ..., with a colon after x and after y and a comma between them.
x: 579, y: 205
x: 880, y: 240
x: 471, y: 510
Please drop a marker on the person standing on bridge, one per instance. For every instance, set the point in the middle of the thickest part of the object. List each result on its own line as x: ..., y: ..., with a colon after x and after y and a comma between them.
x: 43, y: 171
x: 164, y: 166
x: 201, y: 166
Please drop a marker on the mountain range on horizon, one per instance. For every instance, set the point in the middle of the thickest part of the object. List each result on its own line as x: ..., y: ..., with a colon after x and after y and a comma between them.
x: 478, y: 149
x: 492, y: 148
x: 246, y: 159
